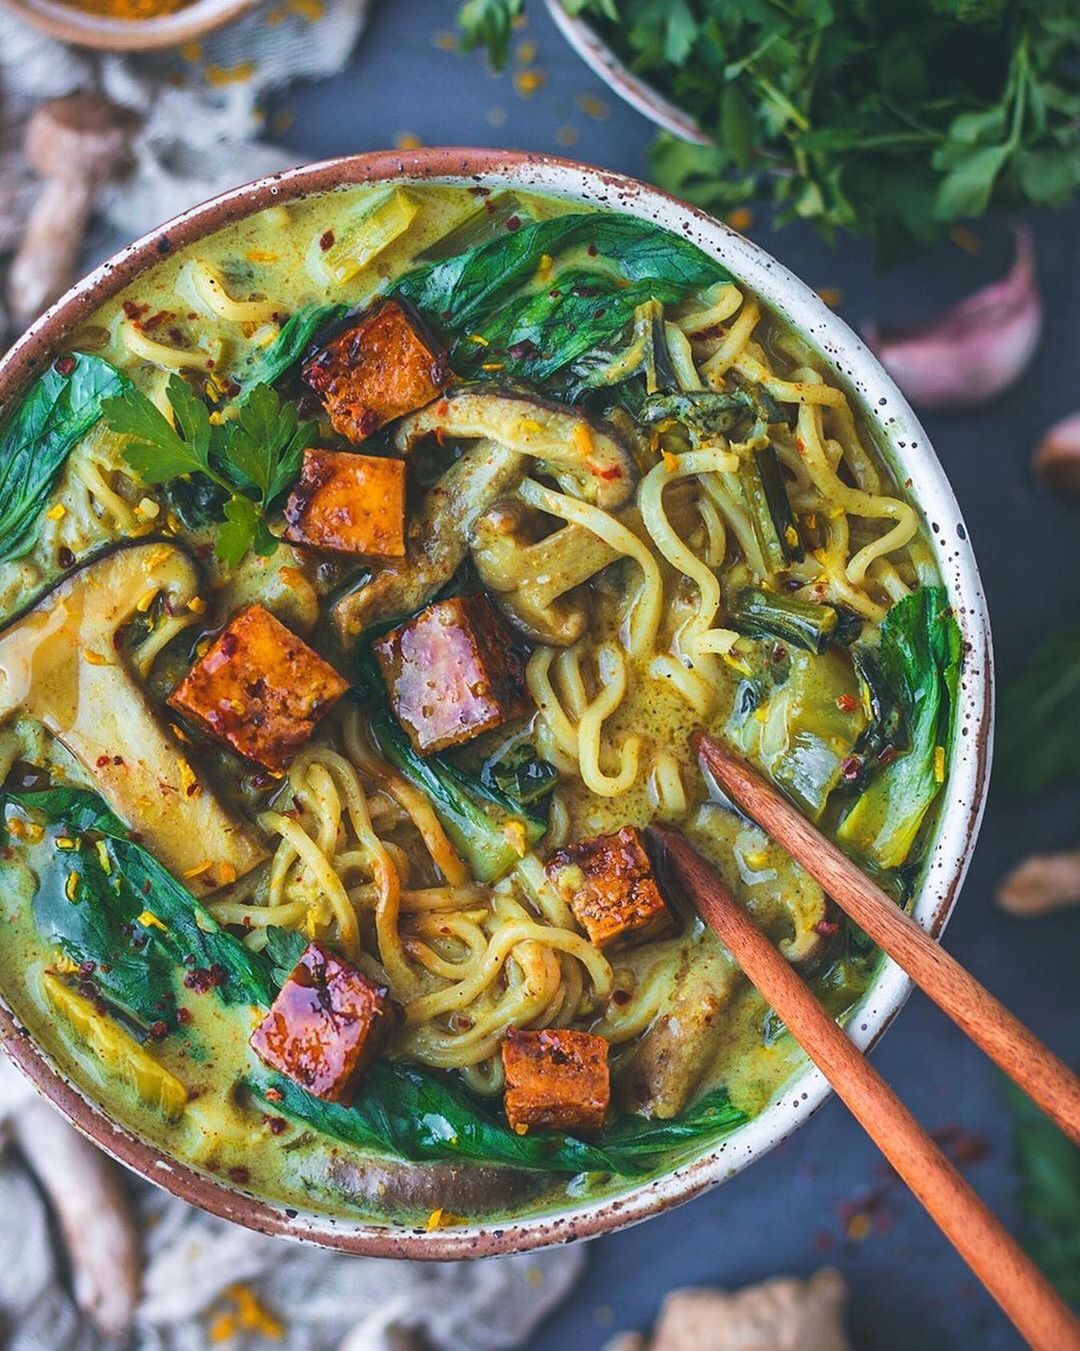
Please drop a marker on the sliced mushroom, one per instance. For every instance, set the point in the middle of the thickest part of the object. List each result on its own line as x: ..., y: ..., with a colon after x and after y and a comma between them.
x: 533, y: 581
x: 60, y: 663
x: 99, y: 1229
x: 437, y: 542
x: 587, y: 458
x: 679, y: 1047
x: 417, y: 1189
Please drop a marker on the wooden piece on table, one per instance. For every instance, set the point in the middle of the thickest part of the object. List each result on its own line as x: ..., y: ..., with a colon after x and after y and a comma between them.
x: 995, y: 1257
x: 1021, y: 1055
x: 76, y: 144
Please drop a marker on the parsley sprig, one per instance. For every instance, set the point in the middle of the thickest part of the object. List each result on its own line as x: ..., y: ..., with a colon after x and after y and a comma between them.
x: 252, y: 454
x: 892, y: 121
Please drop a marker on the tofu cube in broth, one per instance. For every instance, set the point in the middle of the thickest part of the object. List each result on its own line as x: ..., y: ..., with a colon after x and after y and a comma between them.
x: 259, y: 688
x: 379, y: 370
x: 556, y: 1079
x: 326, y: 1025
x: 609, y: 885
x: 452, y: 673
x: 349, y: 504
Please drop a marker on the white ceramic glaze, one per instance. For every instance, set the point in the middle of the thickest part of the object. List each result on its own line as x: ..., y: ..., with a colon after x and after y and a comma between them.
x: 900, y: 435
x: 648, y: 101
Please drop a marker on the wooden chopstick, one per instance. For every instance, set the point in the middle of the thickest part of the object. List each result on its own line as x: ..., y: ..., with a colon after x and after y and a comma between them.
x: 993, y: 1255
x: 1047, y: 1080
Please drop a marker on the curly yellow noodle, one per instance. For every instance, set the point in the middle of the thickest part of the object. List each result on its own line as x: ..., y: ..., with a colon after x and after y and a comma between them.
x: 209, y: 287
x: 646, y: 606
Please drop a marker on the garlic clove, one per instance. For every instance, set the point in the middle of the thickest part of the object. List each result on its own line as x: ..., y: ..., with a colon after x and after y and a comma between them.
x: 1056, y: 462
x: 974, y: 351
x: 1042, y: 883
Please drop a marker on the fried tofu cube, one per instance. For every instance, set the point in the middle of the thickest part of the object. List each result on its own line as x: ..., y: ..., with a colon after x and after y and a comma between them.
x: 452, y: 673
x: 375, y: 372
x: 608, y: 883
x: 556, y: 1079
x: 326, y: 1025
x: 349, y: 504
x: 259, y: 688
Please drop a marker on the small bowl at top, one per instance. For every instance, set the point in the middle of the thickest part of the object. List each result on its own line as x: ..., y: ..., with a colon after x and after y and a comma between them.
x: 149, y: 30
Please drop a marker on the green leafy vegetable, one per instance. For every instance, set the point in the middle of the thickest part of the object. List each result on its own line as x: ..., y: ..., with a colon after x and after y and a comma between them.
x: 1035, y: 745
x: 250, y: 458
x: 771, y: 614
x: 529, y: 319
x: 520, y: 772
x: 59, y: 409
x: 284, y: 948
x: 488, y: 24
x: 505, y: 211
x: 291, y: 345
x: 134, y: 884
x: 889, y: 121
x: 1047, y: 1165
x: 920, y: 656
x: 418, y: 1115
x: 80, y: 911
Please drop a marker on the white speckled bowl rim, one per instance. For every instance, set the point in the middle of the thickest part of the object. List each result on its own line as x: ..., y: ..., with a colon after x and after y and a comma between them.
x: 883, y: 406
x: 631, y: 88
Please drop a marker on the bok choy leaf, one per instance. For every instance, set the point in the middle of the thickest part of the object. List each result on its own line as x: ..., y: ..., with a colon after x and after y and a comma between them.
x: 60, y: 407
x: 920, y: 657
x: 418, y: 1115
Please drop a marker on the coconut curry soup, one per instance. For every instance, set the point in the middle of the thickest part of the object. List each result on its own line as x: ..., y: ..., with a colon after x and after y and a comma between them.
x: 365, y: 572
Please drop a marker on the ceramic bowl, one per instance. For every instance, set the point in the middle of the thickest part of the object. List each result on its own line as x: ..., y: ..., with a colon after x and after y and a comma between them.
x: 614, y: 72
x: 883, y: 408
x: 70, y: 24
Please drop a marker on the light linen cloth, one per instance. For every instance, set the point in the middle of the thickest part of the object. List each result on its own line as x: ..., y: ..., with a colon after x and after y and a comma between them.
x: 198, y: 138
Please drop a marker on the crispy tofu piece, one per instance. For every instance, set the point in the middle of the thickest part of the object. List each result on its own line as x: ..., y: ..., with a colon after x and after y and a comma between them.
x: 556, y: 1079
x: 608, y: 883
x: 375, y: 372
x: 452, y: 673
x: 349, y: 504
x: 260, y: 688
x: 326, y: 1025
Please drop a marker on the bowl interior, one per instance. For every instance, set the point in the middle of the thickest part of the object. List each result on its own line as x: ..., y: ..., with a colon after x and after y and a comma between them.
x: 83, y: 29
x: 897, y: 431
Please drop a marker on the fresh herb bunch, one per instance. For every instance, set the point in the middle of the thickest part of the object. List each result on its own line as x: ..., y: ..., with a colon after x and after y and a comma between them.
x: 891, y: 119
x: 251, y: 458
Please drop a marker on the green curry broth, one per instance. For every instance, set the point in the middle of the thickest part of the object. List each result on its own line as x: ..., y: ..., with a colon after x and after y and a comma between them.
x: 273, y: 254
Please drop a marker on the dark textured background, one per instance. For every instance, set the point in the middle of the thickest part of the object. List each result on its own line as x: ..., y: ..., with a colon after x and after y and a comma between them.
x: 790, y: 1213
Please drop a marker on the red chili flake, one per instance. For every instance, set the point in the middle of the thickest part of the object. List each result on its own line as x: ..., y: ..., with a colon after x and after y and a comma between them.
x: 779, y: 652
x: 146, y: 887
x: 846, y: 703
x: 278, y: 1125
x: 620, y: 997
x: 851, y: 767
x: 134, y: 311
x: 241, y: 1175
x: 65, y: 557
x: 478, y: 191
x: 827, y: 928
x: 887, y: 755
x: 592, y: 250
x: 326, y: 241
x: 159, y: 1029
x: 118, y: 759
x: 87, y: 968
x: 102, y: 761
x: 183, y: 1017
x: 64, y: 365
x: 273, y: 1095
x: 513, y: 223
x: 228, y: 645
x: 204, y: 979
